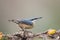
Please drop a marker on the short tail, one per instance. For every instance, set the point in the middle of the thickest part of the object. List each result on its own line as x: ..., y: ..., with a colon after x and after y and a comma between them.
x: 15, y: 21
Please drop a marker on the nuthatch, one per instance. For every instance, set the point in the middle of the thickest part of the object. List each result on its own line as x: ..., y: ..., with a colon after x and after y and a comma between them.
x: 25, y: 24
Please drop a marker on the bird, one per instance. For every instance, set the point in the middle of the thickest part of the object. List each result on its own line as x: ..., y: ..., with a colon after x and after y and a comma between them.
x: 25, y: 23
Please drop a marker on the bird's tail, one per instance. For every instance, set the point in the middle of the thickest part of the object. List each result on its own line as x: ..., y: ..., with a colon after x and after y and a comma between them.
x: 35, y: 18
x: 15, y: 21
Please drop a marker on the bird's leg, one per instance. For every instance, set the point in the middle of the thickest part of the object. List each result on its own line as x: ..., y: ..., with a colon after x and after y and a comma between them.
x: 24, y: 34
x: 23, y: 29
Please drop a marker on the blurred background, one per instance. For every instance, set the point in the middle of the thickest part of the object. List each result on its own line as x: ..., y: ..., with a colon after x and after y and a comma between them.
x: 25, y: 9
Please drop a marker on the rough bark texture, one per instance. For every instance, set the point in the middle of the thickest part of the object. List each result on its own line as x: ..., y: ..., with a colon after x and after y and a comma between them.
x: 27, y: 35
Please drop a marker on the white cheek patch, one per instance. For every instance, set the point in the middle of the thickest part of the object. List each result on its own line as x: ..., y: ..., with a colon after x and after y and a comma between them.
x: 34, y: 20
